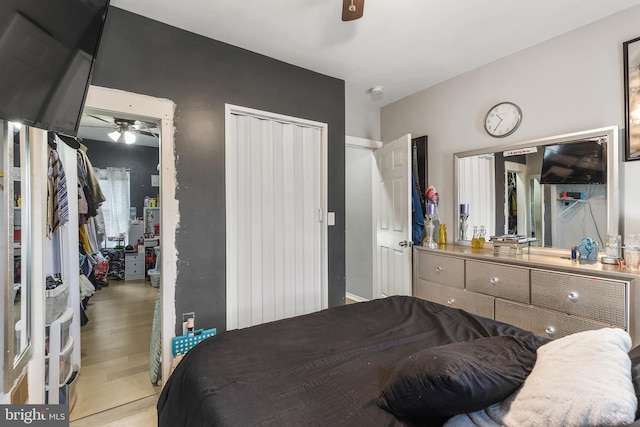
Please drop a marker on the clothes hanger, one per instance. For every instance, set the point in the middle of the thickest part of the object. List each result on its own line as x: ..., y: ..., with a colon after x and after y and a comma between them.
x: 51, y: 140
x: 71, y: 141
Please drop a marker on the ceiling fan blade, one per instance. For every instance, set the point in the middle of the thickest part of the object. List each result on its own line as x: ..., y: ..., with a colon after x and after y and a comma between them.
x: 145, y: 129
x: 144, y: 132
x: 100, y: 118
x: 352, y: 9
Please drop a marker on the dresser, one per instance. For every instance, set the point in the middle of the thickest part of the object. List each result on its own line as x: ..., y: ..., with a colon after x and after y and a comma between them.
x: 134, y: 266
x: 544, y: 293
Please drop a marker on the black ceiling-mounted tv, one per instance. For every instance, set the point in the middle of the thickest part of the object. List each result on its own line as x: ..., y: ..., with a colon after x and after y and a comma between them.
x: 47, y: 52
x: 583, y: 162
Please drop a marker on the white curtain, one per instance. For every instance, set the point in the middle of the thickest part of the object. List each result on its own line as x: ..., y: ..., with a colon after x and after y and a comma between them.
x: 115, y: 184
x: 477, y: 174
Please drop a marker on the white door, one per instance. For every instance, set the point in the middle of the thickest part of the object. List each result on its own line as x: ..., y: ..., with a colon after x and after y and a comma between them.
x: 393, y: 202
x: 276, y: 232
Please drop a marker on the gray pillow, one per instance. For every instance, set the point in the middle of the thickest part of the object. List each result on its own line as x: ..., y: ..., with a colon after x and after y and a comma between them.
x: 458, y: 378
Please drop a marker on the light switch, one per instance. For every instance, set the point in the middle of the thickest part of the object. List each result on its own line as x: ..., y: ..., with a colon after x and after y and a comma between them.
x: 331, y: 218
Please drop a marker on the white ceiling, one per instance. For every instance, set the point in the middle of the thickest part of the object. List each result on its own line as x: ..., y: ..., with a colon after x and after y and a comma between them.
x: 402, y: 45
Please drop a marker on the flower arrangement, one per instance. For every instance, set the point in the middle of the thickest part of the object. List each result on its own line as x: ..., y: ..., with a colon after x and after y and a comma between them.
x: 432, y: 195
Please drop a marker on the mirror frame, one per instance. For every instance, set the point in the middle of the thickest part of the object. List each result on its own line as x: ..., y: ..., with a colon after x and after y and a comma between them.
x: 611, y: 133
x: 14, y: 363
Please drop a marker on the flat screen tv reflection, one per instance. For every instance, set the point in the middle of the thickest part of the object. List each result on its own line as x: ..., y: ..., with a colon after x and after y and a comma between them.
x: 47, y: 53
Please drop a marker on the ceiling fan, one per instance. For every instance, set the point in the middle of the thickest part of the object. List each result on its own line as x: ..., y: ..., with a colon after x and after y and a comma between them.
x: 352, y: 9
x: 126, y: 129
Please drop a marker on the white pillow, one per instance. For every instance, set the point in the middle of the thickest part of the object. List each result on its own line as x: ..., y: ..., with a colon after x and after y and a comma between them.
x: 583, y: 379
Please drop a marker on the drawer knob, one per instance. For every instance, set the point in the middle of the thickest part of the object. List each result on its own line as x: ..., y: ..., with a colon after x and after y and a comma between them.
x: 550, y: 330
x: 438, y: 269
x: 573, y: 296
x: 451, y: 301
x: 494, y: 281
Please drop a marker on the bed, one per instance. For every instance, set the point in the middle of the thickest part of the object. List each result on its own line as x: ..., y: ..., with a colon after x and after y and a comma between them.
x: 335, y: 367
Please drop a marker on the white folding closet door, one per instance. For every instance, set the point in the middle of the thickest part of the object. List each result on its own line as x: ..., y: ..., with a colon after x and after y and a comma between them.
x: 274, y: 203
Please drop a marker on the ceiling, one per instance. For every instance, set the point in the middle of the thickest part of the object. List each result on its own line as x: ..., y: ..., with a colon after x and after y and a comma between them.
x: 403, y: 46
x: 96, y: 126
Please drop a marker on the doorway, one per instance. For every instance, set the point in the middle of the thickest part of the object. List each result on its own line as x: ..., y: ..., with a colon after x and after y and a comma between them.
x: 360, y: 242
x: 515, y: 209
x: 159, y: 111
x: 378, y: 218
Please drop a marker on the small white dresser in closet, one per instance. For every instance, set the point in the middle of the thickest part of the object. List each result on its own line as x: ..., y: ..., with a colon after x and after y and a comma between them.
x: 59, y: 373
x: 544, y: 293
x: 134, y: 265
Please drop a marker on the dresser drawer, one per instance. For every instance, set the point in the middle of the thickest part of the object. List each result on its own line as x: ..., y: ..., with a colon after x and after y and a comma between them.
x: 479, y: 304
x: 131, y: 266
x: 499, y: 280
x: 543, y: 322
x: 597, y: 299
x: 133, y: 256
x: 135, y: 270
x: 444, y: 270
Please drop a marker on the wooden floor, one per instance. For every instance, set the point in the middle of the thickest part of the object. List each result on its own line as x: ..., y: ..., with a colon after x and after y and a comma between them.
x: 114, y: 384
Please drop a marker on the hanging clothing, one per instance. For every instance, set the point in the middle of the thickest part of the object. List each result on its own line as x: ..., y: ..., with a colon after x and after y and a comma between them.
x: 92, y: 236
x: 89, y: 184
x: 83, y: 208
x: 418, y: 216
x: 155, y: 347
x: 57, y: 199
x: 84, y: 240
x: 86, y: 287
x: 98, y: 223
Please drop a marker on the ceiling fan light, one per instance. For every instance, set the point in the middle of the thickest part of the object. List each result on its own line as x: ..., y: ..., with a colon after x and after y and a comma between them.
x: 129, y: 137
x: 115, y: 135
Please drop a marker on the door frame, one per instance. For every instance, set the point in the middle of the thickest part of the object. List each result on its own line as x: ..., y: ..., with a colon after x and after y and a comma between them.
x: 369, y: 145
x: 162, y: 111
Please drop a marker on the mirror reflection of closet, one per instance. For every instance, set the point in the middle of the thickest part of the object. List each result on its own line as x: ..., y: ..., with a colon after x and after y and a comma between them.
x: 136, y: 163
x: 502, y: 186
x: 140, y: 161
x: 15, y: 249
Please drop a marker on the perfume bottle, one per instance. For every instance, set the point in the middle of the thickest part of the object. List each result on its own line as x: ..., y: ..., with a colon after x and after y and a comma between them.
x: 481, y: 238
x: 474, y: 239
x: 443, y: 234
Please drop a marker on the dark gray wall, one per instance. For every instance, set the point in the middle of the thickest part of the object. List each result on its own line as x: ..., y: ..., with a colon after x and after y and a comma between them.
x: 200, y: 75
x: 142, y: 161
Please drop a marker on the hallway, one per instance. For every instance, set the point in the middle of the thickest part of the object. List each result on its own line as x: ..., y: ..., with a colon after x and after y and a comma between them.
x: 114, y: 383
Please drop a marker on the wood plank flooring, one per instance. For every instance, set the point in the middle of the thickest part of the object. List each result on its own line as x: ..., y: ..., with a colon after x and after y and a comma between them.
x: 115, y: 358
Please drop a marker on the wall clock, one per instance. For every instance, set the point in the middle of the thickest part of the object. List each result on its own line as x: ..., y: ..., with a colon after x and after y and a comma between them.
x: 502, y: 119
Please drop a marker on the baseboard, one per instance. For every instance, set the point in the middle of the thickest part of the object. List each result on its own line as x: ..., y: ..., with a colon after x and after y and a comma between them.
x: 355, y: 297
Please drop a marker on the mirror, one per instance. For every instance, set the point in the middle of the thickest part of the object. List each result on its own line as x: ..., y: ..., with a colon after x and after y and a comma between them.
x: 554, y: 190
x: 15, y: 250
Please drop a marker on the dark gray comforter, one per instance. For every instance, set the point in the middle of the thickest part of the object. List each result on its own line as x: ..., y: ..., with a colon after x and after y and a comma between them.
x: 320, y: 369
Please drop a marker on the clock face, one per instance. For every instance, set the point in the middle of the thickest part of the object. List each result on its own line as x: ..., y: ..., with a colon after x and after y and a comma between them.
x: 503, y: 119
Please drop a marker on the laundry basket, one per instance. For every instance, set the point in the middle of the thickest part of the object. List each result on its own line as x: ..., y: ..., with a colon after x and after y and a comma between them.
x: 154, y: 276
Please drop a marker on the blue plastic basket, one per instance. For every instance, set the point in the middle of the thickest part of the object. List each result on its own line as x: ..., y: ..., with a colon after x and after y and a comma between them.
x: 183, y: 343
